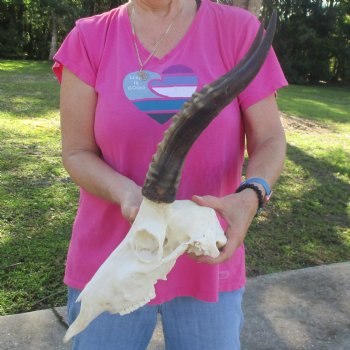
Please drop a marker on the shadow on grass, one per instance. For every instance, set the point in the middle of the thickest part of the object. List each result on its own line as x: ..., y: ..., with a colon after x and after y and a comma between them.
x: 36, y: 214
x: 331, y: 192
x: 306, y: 227
x: 36, y: 223
x: 39, y: 90
x: 24, y: 154
x: 36, y: 227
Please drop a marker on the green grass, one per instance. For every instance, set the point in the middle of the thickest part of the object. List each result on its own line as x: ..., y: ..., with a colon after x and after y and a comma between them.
x: 37, y: 199
x: 308, y: 220
x: 330, y: 105
x: 306, y: 224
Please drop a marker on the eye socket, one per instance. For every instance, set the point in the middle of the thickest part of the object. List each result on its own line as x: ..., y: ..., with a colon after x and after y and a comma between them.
x: 145, y: 246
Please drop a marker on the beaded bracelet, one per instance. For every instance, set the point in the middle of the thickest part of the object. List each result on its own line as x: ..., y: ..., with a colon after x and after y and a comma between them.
x: 258, y: 193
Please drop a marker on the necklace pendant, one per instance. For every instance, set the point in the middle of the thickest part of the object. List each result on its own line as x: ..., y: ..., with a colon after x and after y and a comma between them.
x: 143, y: 75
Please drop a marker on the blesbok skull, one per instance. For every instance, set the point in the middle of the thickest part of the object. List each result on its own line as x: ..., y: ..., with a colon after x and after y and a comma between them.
x: 164, y: 228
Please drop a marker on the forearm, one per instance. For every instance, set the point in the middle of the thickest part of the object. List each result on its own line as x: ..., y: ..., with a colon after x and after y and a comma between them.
x: 266, y: 159
x: 80, y: 153
x: 266, y: 146
x: 90, y: 172
x: 266, y: 142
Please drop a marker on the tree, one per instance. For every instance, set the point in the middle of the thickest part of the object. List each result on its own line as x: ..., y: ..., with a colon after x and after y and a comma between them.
x: 340, y: 50
x: 312, y: 39
x: 253, y: 6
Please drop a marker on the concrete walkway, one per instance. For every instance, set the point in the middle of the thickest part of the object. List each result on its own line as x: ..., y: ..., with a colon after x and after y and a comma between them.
x: 301, y: 309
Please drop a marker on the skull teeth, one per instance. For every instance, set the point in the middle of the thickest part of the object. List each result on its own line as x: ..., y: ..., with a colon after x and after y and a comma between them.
x: 134, y: 307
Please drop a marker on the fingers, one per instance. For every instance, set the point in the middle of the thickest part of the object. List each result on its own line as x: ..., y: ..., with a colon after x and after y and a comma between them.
x: 133, y: 211
x: 228, y: 250
x: 234, y: 241
x: 226, y: 253
x: 131, y: 201
x: 130, y: 213
x: 208, y: 201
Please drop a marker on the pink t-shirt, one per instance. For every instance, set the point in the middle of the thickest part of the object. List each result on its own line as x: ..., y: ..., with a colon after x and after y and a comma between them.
x: 132, y: 115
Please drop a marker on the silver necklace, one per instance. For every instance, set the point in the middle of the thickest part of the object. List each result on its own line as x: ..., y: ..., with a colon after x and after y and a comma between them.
x: 141, y: 73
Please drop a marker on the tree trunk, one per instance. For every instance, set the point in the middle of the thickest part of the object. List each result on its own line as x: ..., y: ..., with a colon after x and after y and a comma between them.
x: 53, y: 46
x: 253, y: 6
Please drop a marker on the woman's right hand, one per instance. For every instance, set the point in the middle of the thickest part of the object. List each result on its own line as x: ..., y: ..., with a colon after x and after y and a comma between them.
x: 131, y: 202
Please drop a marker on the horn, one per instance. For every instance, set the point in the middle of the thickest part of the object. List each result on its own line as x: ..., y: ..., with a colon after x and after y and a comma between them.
x: 164, y: 173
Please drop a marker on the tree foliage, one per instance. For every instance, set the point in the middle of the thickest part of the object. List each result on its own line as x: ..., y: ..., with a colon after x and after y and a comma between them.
x: 312, y: 39
x: 26, y: 26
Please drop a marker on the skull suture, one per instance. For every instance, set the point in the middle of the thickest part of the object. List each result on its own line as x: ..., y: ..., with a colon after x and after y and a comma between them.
x: 164, y: 228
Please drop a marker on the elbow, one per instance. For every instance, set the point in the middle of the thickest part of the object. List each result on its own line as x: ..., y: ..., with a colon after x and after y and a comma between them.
x: 66, y: 161
x: 73, y: 160
x: 69, y: 161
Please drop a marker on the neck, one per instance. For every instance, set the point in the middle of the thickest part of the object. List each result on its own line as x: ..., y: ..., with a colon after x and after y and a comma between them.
x: 158, y: 6
x: 156, y: 23
x: 163, y: 8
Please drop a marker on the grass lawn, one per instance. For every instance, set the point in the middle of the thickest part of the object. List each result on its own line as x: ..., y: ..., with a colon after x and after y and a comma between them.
x: 306, y: 224
x: 308, y: 220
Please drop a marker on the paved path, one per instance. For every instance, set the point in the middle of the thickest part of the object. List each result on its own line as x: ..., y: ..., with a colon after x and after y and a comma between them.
x: 296, y: 310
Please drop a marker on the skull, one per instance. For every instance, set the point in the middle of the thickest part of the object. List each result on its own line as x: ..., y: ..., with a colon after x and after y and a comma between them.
x: 160, y: 234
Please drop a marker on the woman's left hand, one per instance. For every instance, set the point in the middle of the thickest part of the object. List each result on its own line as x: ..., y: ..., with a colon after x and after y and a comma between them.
x: 238, y: 210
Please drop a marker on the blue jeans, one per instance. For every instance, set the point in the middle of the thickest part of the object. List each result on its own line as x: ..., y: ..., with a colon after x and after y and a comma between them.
x: 188, y: 324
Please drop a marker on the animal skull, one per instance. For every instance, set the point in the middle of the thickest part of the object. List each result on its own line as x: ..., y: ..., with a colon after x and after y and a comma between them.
x: 164, y: 228
x: 160, y: 234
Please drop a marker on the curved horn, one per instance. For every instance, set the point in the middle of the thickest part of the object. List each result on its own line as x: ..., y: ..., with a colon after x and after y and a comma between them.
x: 164, y: 172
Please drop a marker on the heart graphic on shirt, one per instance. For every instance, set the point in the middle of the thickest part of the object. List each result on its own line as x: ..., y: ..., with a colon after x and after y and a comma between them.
x: 161, y: 96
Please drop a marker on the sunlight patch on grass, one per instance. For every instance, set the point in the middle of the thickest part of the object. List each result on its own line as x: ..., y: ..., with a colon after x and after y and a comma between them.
x: 314, y: 106
x: 324, y: 104
x: 22, y: 66
x: 13, y: 66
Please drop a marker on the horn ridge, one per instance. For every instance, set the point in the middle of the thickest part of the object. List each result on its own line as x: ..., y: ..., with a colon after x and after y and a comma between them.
x: 164, y: 173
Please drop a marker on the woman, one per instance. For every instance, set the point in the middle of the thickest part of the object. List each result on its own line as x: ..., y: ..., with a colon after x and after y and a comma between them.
x: 123, y: 75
